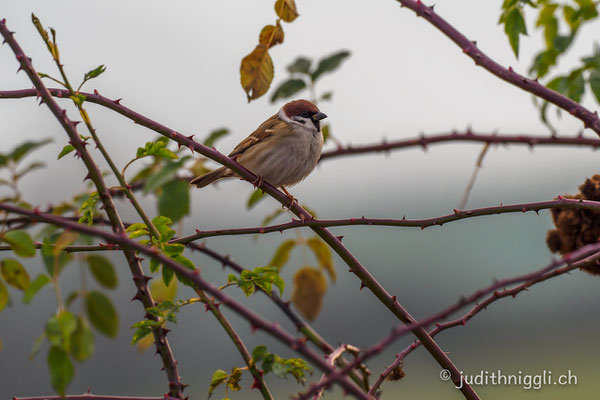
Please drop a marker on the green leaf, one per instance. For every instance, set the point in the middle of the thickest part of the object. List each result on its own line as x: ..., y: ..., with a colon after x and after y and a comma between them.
x: 161, y: 221
x: 82, y: 341
x: 102, y: 313
x: 139, y: 334
x: 272, y: 216
x: 259, y: 353
x: 254, y: 198
x: 215, y: 135
x: 562, y: 42
x: 103, y: 271
x: 165, y: 175
x: 60, y: 327
x: 575, y: 85
x: 594, y: 81
x: 53, y: 262
x: 301, y: 65
x: 174, y: 201
x: 329, y: 63
x: 78, y: 99
x: 219, y: 376
x: 514, y: 25
x: 31, y: 167
x: 94, y: 73
x: 167, y: 275
x: 61, y: 369
x: 22, y: 150
x: 3, y: 296
x: 288, y: 89
x: 88, y: 208
x: 20, y: 242
x: 14, y: 273
x: 158, y: 149
x: 282, y: 254
x: 36, y: 284
x: 3, y: 160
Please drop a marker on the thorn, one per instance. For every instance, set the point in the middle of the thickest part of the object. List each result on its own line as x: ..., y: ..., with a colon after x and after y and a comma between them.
x: 394, y: 299
x: 339, y: 237
x: 96, y: 92
x: 256, y: 384
x: 362, y: 285
x: 524, y: 209
x: 138, y: 296
x: 253, y: 328
x: 88, y: 176
x: 456, y: 211
x: 140, y: 278
x: 510, y: 69
x: 118, y: 101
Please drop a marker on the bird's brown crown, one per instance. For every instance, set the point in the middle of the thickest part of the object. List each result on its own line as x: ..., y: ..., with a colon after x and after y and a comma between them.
x: 299, y: 107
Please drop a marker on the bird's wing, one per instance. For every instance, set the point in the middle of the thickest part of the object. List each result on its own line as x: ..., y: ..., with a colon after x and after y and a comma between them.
x: 265, y: 130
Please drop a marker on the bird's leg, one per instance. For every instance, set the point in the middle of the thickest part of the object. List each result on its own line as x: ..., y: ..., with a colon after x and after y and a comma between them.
x: 290, y: 197
x: 258, y: 181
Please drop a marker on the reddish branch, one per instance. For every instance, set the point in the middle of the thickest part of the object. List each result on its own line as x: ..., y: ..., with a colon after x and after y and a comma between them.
x: 422, y: 141
x: 462, y: 321
x: 468, y: 136
x: 89, y: 396
x: 416, y: 223
x: 176, y: 387
x: 569, y: 262
x: 255, y: 320
x: 334, y: 242
x: 589, y: 119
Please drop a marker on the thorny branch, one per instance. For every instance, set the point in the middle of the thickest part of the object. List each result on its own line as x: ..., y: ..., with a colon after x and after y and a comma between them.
x: 176, y: 387
x: 589, y: 119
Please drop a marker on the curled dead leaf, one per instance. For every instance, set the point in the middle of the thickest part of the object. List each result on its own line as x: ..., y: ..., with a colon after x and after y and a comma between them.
x: 286, y: 10
x: 256, y: 72
x: 271, y: 35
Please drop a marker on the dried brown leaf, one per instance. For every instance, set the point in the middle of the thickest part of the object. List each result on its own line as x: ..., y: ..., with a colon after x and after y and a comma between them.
x: 286, y: 10
x: 310, y: 286
x: 271, y: 35
x: 256, y: 72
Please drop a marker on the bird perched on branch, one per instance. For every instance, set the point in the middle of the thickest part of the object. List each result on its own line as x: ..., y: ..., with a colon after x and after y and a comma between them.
x: 283, y: 150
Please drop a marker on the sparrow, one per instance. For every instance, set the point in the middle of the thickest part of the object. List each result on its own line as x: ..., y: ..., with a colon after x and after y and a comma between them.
x: 283, y: 150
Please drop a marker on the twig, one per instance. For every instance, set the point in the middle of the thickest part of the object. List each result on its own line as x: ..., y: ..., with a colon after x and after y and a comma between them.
x: 332, y: 358
x: 589, y: 119
x: 457, y: 215
x: 176, y: 387
x: 467, y: 137
x: 471, y: 182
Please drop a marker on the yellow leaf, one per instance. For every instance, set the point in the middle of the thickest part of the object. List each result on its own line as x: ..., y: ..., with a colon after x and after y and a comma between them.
x: 309, y: 288
x: 145, y: 342
x: 323, y: 255
x: 286, y: 10
x: 65, y: 239
x: 271, y: 35
x: 282, y: 254
x: 160, y: 292
x: 256, y: 72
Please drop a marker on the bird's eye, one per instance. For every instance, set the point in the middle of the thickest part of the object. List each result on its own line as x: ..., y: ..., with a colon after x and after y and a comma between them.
x: 305, y: 114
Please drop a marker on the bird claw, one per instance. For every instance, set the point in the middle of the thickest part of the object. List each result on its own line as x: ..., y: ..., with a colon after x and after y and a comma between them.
x: 290, y: 197
x: 258, y: 182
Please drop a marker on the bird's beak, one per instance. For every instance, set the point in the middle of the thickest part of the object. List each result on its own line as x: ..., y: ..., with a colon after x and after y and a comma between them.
x: 318, y: 116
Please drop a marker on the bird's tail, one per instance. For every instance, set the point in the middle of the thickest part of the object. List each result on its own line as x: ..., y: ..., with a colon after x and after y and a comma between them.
x: 211, y: 177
